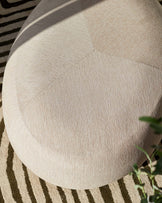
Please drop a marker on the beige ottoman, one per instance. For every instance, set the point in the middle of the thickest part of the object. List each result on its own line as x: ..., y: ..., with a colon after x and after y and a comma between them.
x: 79, y: 76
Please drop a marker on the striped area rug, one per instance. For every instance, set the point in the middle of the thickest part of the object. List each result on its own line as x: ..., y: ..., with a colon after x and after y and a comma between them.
x: 19, y: 184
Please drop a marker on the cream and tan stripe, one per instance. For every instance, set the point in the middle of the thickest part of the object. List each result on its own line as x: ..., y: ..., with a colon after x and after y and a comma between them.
x: 22, y: 6
x: 28, y: 185
x: 96, y: 195
x: 4, y: 183
x: 55, y: 197
x: 147, y: 186
x: 2, y: 70
x: 19, y: 175
x: 10, y: 26
x: 124, y: 190
x: 90, y: 196
x: 84, y: 196
x: 117, y: 195
x: 159, y: 180
x: 37, y: 189
x: 65, y: 198
x: 80, y: 196
x: 133, y: 193
x: 69, y: 196
x: 1, y: 196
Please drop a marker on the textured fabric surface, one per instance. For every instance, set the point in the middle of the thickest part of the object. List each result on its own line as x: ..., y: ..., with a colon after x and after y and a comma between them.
x: 17, y: 183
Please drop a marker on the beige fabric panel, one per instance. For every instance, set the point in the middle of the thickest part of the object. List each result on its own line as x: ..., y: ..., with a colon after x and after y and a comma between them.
x: 129, y: 28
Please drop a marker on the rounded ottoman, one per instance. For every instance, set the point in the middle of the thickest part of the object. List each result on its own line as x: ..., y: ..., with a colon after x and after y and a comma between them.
x: 79, y: 76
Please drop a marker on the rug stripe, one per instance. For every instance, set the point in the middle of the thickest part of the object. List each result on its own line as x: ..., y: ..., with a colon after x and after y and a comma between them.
x: 5, y: 4
x: 10, y: 32
x: 45, y: 191
x: 5, y: 48
x: 148, y: 188
x: 159, y: 180
x: 5, y: 53
x: 1, y: 81
x: 28, y: 185
x: 1, y: 197
x: 2, y: 126
x: 3, y: 64
x: 116, y: 192
x: 124, y: 191
x: 11, y: 176
x: 0, y: 88
x: 136, y: 181
x: 133, y: 192
x: 155, y: 182
x: 19, y: 175
x: 62, y: 194
x: 106, y: 194
x: 1, y: 75
x: 4, y: 183
x: 7, y: 42
x: 75, y: 196
x: 18, y: 11
x: 13, y: 21
x: 150, y: 182
x: 36, y: 186
x: 52, y: 189
x: 11, y: 27
x: 97, y: 195
x: 90, y: 196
